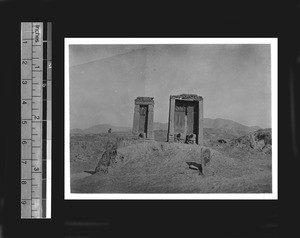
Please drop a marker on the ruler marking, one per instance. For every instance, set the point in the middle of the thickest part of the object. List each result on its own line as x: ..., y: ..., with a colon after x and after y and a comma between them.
x: 31, y: 110
x: 37, y: 52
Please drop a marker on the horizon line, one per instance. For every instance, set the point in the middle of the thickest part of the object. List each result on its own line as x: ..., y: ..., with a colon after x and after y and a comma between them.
x: 167, y: 123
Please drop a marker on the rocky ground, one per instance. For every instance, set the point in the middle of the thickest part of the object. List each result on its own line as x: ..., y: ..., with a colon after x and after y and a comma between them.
x: 239, y: 164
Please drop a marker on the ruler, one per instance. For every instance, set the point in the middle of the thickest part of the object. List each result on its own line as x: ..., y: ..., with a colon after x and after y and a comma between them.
x: 36, y: 86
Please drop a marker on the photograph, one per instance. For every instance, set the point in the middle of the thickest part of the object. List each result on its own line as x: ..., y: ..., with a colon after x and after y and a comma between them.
x: 127, y: 120
x: 171, y: 118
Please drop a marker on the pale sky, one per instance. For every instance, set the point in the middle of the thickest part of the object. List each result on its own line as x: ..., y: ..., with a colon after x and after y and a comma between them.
x: 234, y: 80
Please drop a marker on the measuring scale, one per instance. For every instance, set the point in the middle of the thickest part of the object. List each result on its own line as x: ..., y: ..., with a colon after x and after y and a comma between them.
x: 36, y: 78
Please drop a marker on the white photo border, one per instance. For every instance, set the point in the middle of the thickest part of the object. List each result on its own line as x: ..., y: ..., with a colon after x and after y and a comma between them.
x: 201, y: 196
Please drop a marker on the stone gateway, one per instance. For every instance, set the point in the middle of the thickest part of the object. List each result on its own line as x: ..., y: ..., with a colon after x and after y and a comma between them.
x: 186, y: 119
x: 143, y: 118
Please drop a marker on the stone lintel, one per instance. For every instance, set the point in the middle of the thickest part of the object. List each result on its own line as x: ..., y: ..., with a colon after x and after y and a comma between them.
x: 188, y: 97
x: 144, y: 100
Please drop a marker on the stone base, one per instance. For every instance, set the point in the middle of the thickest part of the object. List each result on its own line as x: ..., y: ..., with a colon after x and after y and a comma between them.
x: 143, y: 136
x: 170, y: 138
x: 191, y: 139
x: 180, y: 137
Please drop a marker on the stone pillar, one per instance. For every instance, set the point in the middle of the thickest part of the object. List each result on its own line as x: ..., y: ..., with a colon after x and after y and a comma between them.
x: 185, y: 125
x: 200, y: 128
x: 150, y: 134
x: 171, y: 120
x: 136, y: 118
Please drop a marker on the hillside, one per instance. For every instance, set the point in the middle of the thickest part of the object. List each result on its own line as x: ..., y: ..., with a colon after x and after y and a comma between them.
x: 232, y: 126
x: 101, y: 128
x: 159, y: 167
x: 237, y: 164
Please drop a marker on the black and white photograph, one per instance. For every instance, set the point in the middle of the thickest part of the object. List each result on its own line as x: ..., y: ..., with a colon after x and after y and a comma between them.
x: 167, y: 118
x: 160, y: 119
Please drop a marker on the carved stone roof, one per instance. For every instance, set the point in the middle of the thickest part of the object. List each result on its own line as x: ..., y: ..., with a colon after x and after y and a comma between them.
x: 144, y: 100
x: 194, y: 97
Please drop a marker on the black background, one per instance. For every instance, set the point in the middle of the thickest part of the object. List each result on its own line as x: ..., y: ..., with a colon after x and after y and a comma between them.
x: 149, y: 19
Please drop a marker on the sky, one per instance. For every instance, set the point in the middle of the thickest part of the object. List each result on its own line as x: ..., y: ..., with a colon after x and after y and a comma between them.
x: 233, y: 79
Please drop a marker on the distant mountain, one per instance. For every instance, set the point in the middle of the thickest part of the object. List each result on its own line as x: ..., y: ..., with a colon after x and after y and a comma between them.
x: 76, y: 131
x: 101, y: 128
x: 223, y: 124
x: 230, y: 125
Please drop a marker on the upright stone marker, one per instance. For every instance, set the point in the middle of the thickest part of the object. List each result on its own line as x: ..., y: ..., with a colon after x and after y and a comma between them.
x: 186, y: 119
x: 143, y: 117
x: 205, y: 157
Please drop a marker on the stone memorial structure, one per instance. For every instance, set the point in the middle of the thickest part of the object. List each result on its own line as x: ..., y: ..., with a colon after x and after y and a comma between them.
x: 186, y: 119
x: 205, y: 157
x: 143, y: 118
